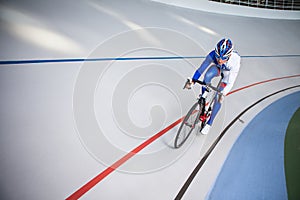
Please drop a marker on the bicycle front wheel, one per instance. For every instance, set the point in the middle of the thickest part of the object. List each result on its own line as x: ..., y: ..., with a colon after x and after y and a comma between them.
x: 187, y: 125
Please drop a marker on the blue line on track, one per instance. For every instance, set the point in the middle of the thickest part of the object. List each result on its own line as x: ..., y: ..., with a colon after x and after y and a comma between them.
x: 72, y: 60
x: 13, y: 62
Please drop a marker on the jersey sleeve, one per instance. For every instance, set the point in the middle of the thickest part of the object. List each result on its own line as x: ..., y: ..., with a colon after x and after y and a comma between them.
x: 231, y: 75
x: 208, y: 60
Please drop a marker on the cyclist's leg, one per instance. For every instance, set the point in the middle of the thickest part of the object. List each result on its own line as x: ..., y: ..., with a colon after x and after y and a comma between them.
x: 212, y: 72
x: 217, y: 106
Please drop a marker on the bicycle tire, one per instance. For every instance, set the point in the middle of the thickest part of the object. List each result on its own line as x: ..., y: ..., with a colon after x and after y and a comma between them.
x: 181, y: 133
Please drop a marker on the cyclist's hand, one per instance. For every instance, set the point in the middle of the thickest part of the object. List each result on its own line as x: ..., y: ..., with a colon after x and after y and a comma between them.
x: 188, y: 84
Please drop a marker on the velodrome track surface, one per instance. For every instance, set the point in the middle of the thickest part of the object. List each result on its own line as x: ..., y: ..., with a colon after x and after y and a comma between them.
x: 255, y: 166
x: 71, y: 113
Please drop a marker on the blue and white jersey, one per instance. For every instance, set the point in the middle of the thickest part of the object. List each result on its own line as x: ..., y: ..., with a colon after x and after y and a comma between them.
x: 230, y: 69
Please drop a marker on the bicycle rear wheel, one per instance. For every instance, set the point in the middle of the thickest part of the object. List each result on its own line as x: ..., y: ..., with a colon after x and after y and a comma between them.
x: 187, y: 125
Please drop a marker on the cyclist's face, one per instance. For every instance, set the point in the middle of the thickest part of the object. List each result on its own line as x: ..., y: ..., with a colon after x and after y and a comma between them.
x: 221, y: 62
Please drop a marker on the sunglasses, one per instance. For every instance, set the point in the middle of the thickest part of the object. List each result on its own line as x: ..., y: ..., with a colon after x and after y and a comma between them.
x: 222, y: 57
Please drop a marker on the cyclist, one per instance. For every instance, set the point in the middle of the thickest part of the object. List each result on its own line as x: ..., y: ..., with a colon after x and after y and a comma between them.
x: 221, y: 60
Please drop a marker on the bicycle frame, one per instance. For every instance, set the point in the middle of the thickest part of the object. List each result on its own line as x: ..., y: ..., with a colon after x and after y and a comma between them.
x: 203, y: 110
x: 207, y: 106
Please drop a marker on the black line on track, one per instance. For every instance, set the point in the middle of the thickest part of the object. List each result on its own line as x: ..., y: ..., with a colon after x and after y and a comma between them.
x: 204, y: 158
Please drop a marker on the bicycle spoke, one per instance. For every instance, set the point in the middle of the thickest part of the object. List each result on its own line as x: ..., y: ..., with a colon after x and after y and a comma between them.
x: 188, y: 124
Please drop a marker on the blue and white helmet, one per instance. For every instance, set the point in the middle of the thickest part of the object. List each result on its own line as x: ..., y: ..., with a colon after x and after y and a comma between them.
x: 224, y: 49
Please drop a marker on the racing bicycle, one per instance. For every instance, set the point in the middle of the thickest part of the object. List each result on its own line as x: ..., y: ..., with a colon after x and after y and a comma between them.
x: 199, y: 113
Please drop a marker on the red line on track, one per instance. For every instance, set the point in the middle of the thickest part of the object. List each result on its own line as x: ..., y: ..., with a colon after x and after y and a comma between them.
x: 117, y: 164
x: 89, y: 185
x: 258, y: 83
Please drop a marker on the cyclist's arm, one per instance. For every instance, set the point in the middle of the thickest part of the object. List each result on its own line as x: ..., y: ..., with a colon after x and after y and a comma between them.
x: 208, y: 60
x: 231, y: 76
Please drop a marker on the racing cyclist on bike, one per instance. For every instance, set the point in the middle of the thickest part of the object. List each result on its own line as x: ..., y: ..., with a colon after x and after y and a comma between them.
x: 221, y: 60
